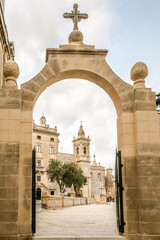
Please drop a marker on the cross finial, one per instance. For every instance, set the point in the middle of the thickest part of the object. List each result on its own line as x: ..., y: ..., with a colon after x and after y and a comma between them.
x: 94, y: 157
x: 76, y: 16
x: 81, y: 123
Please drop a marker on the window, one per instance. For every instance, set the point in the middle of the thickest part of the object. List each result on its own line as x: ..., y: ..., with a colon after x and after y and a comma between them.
x: 99, y: 176
x: 38, y: 178
x: 38, y: 163
x: 51, y: 179
x: 38, y: 137
x: 51, y: 150
x: 52, y: 139
x: 38, y: 148
x: 77, y: 150
x: 84, y: 150
x: 91, y: 176
x: 52, y: 192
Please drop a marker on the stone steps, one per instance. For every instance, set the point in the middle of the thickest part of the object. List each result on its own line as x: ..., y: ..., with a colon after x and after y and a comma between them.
x: 78, y: 238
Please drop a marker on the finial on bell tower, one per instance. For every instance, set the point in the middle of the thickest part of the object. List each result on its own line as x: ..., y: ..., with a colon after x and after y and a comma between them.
x: 81, y: 131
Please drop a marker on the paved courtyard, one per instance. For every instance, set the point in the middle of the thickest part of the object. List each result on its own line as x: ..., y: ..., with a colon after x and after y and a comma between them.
x: 78, y: 222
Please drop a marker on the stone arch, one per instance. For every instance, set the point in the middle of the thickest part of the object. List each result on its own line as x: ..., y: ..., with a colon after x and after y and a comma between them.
x: 135, y: 111
x: 95, y: 71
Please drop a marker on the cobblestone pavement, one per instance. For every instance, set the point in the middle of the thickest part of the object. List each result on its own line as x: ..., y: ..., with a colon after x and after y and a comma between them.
x: 77, y: 222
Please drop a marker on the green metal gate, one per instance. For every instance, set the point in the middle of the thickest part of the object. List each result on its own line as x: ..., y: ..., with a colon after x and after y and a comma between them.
x: 33, y: 191
x: 119, y: 192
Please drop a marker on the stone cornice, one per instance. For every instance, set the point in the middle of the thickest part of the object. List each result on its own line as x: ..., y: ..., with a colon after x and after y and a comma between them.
x: 53, y: 52
x: 48, y: 131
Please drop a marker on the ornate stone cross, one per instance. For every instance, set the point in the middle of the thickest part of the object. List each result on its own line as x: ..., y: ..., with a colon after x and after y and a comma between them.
x: 76, y: 16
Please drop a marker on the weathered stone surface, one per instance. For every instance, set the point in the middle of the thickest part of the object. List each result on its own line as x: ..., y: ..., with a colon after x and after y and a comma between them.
x: 27, y: 171
x: 26, y: 106
x: 8, y: 182
x: 140, y: 96
x: 27, y: 96
x: 9, y: 237
x: 55, y: 65
x: 145, y: 106
x: 9, y: 158
x: 9, y: 216
x: 31, y: 86
x: 10, y: 205
x: 9, y: 169
x: 10, y: 104
x: 12, y: 227
x: 8, y: 193
x: 14, y: 93
x: 47, y: 71
x: 150, y: 228
x: 151, y: 96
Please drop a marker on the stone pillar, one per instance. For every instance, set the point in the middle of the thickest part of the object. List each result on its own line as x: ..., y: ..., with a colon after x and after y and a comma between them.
x: 9, y: 160
x: 139, y: 141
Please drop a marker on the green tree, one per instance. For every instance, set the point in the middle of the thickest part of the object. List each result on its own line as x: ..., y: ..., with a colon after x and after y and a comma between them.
x: 55, y: 171
x: 66, y: 174
x: 158, y: 100
x: 72, y: 174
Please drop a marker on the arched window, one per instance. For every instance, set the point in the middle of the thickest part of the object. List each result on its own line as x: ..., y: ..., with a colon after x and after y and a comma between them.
x: 91, y: 176
x: 77, y: 149
x: 99, y: 176
x: 85, y: 150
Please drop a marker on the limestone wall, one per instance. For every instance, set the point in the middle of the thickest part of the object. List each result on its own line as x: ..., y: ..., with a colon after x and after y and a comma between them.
x: 9, y: 162
x: 53, y: 202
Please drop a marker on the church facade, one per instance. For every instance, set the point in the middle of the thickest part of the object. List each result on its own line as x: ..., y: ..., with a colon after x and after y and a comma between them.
x: 45, y: 141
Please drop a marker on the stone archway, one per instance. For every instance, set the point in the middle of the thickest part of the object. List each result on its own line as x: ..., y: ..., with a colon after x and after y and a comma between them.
x: 138, y: 130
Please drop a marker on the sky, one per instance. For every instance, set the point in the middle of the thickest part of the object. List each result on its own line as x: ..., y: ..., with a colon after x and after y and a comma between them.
x: 129, y: 29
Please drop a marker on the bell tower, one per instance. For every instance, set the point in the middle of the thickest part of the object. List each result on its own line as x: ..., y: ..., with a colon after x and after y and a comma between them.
x: 81, y: 150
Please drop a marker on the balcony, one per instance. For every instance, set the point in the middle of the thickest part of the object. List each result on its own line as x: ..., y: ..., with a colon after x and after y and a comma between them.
x: 40, y: 169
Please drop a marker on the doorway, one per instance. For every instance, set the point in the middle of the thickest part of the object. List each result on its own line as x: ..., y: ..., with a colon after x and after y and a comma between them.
x: 38, y: 194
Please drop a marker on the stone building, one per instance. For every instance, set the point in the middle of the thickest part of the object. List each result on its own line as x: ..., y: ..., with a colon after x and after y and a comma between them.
x: 6, y: 47
x: 45, y: 140
x: 110, y: 185
x: 97, y: 178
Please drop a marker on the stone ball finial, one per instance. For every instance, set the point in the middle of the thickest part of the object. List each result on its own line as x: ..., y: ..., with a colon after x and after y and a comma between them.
x: 138, y: 73
x: 75, y: 37
x: 75, y: 6
x: 11, y: 73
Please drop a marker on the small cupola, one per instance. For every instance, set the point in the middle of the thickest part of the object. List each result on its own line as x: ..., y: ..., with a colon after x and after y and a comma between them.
x: 43, y: 120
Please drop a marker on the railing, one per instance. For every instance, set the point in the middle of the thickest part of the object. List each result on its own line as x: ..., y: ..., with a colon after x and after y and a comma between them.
x: 40, y: 169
